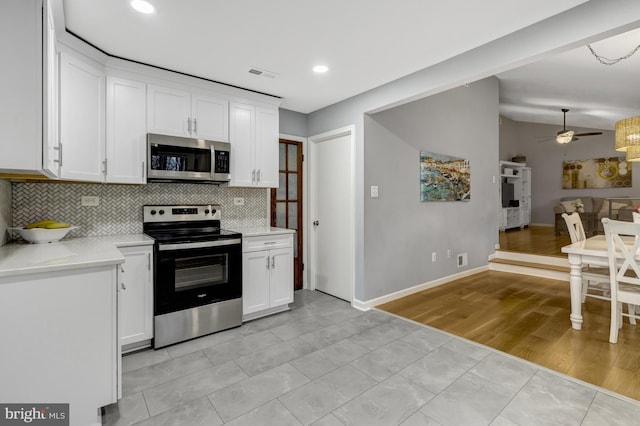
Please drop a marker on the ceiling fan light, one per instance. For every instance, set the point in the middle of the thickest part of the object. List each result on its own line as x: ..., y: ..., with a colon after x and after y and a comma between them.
x: 627, y: 133
x: 633, y: 153
x: 565, y: 137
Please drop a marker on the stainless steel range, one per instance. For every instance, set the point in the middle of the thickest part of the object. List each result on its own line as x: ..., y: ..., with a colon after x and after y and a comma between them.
x: 197, y: 272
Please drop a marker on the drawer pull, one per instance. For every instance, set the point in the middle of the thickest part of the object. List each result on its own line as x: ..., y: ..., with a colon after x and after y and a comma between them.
x: 270, y: 242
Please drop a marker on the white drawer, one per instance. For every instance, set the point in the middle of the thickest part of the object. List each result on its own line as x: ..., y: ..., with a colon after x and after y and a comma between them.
x: 266, y: 242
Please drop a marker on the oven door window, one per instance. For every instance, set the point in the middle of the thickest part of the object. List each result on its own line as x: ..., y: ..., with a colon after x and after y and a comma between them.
x: 201, y: 271
x: 194, y: 277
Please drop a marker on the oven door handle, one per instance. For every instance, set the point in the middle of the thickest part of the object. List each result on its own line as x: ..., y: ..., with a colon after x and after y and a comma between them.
x: 201, y: 244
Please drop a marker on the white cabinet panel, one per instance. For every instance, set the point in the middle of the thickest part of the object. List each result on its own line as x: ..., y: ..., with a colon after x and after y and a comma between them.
x: 281, y: 284
x: 241, y: 136
x: 28, y: 83
x: 135, y: 281
x: 82, y: 135
x: 210, y: 118
x: 255, y: 278
x: 253, y: 135
x: 50, y: 141
x: 181, y: 113
x: 266, y: 147
x: 267, y: 275
x: 126, y: 131
x: 169, y: 111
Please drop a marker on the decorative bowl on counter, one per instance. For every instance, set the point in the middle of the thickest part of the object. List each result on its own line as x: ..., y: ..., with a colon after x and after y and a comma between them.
x: 43, y: 235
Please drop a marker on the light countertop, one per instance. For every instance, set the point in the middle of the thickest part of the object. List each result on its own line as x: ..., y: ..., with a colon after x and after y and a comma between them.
x: 74, y: 253
x: 263, y: 230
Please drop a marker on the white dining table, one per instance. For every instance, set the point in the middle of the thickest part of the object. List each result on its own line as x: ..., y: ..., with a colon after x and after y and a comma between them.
x: 592, y: 251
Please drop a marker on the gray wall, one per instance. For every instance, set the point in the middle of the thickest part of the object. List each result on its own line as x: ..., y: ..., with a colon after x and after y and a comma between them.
x: 400, y: 232
x: 545, y: 160
x: 508, y: 139
x: 293, y: 123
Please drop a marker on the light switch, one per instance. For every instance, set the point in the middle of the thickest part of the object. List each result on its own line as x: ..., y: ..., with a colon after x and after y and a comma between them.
x: 374, y: 191
x: 238, y: 201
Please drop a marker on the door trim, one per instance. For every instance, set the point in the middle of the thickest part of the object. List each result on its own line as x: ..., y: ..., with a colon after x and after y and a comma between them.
x: 311, y: 203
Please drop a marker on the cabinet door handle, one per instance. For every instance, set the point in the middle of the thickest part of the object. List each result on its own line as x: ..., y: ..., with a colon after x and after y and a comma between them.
x: 59, y: 149
x: 144, y: 172
x: 258, y: 179
x: 267, y: 262
x: 189, y: 125
x: 105, y: 166
x: 195, y: 126
x: 122, y: 269
x: 273, y: 262
x: 124, y: 287
x: 148, y: 261
x: 253, y: 175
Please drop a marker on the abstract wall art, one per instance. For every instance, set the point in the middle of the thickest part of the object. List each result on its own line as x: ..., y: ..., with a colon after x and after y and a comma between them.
x: 444, y: 178
x: 611, y: 172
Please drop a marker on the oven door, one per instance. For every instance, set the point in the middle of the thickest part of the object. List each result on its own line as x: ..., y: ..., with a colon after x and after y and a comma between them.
x: 188, y: 275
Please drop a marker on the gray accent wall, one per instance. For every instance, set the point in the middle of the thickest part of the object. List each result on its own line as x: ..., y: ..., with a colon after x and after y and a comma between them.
x: 400, y: 232
x: 293, y: 123
x: 545, y: 160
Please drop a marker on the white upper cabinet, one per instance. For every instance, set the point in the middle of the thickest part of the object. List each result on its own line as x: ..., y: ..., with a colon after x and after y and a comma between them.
x: 210, y: 118
x: 50, y: 142
x: 181, y: 113
x: 126, y: 131
x: 82, y: 130
x: 253, y: 133
x: 28, y: 83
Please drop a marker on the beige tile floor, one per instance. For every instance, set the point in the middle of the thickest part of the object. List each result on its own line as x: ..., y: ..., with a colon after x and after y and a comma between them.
x: 325, y: 363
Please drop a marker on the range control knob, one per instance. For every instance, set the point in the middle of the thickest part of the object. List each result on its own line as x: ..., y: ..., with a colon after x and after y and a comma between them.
x: 161, y: 212
x: 213, y: 211
x: 206, y: 211
x: 153, y: 212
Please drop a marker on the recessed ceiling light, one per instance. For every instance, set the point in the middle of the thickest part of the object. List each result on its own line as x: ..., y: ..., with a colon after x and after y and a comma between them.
x: 143, y: 6
x: 320, y: 69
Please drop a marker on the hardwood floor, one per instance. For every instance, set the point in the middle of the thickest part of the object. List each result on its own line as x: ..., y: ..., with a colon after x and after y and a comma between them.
x: 534, y: 239
x: 528, y: 317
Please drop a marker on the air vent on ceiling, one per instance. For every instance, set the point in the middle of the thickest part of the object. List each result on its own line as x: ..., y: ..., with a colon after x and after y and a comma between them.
x: 263, y: 73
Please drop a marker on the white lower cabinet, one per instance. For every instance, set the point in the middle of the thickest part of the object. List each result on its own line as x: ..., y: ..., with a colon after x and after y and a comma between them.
x: 135, y: 290
x: 267, y: 275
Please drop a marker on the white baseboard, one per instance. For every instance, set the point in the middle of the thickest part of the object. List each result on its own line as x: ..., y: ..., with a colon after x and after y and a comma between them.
x: 371, y: 303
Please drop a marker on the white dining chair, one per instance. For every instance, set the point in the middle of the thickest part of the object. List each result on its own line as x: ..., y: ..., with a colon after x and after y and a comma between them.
x: 595, y: 279
x: 624, y: 271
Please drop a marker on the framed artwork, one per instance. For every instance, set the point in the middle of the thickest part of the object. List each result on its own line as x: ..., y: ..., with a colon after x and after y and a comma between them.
x: 611, y: 172
x: 444, y: 178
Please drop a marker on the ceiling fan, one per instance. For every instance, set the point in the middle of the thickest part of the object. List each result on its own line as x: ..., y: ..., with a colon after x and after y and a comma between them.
x: 565, y: 136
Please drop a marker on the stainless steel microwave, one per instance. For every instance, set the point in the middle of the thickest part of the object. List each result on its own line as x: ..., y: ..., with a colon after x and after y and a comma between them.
x: 177, y: 159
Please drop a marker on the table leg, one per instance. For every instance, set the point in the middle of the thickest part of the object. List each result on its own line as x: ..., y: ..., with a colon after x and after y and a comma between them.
x: 575, y: 285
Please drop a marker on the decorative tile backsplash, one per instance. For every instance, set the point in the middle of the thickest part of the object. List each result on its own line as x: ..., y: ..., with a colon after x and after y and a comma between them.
x: 5, y: 211
x: 120, y: 206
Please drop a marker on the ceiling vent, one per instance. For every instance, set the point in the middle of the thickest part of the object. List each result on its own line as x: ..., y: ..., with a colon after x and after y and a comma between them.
x: 263, y: 73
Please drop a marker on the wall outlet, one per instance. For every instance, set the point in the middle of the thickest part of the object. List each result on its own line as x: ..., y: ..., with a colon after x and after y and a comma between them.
x: 238, y: 201
x: 462, y: 260
x: 88, y: 200
x: 374, y: 191
x: 434, y: 256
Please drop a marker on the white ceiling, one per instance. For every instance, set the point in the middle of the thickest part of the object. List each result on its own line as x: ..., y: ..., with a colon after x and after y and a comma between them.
x: 597, y: 95
x: 365, y: 43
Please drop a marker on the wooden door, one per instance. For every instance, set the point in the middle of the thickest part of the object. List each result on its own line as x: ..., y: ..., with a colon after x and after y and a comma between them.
x: 286, y: 201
